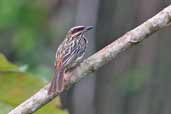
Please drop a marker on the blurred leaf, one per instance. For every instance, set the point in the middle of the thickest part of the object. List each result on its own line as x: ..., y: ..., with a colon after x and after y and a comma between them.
x: 16, y: 87
x: 17, y: 84
x: 32, y: 15
x: 8, y: 12
x: 6, y: 66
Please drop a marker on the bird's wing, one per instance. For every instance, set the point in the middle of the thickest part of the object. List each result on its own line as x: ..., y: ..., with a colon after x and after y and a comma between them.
x: 74, y: 51
x: 71, y: 53
x: 67, y: 54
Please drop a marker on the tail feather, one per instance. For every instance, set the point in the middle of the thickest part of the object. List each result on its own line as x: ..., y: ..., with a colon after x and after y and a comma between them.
x: 57, y: 84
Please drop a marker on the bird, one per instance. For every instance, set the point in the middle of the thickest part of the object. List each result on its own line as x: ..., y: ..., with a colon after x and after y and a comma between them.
x: 68, y: 55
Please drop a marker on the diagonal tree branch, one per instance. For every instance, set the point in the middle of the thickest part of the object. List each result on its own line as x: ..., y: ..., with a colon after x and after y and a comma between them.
x: 105, y: 55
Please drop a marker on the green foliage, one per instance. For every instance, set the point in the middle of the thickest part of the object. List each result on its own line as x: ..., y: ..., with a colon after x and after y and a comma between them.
x: 8, y: 12
x: 24, y: 40
x: 16, y: 86
x: 23, y: 26
x: 20, y: 12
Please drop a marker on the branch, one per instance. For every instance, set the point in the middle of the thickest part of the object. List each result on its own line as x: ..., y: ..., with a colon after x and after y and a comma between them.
x: 105, y: 55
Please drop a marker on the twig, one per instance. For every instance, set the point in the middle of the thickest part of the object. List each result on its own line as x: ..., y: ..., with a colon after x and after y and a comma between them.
x: 105, y: 55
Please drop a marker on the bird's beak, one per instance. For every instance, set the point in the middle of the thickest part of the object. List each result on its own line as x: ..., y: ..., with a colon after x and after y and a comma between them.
x: 88, y: 28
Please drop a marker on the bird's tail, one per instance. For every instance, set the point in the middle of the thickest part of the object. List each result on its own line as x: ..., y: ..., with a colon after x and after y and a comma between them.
x: 57, y: 84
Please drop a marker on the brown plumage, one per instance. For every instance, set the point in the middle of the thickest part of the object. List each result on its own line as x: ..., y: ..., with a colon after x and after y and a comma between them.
x: 69, y: 54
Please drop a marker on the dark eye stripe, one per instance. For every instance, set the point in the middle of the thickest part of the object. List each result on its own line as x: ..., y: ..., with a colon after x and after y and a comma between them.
x: 75, y: 30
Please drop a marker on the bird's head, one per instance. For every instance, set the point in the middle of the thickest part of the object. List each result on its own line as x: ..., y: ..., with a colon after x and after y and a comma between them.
x: 78, y: 30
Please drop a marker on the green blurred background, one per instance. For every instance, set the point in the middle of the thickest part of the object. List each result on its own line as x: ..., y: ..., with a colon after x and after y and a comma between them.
x: 136, y: 82
x: 29, y: 41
